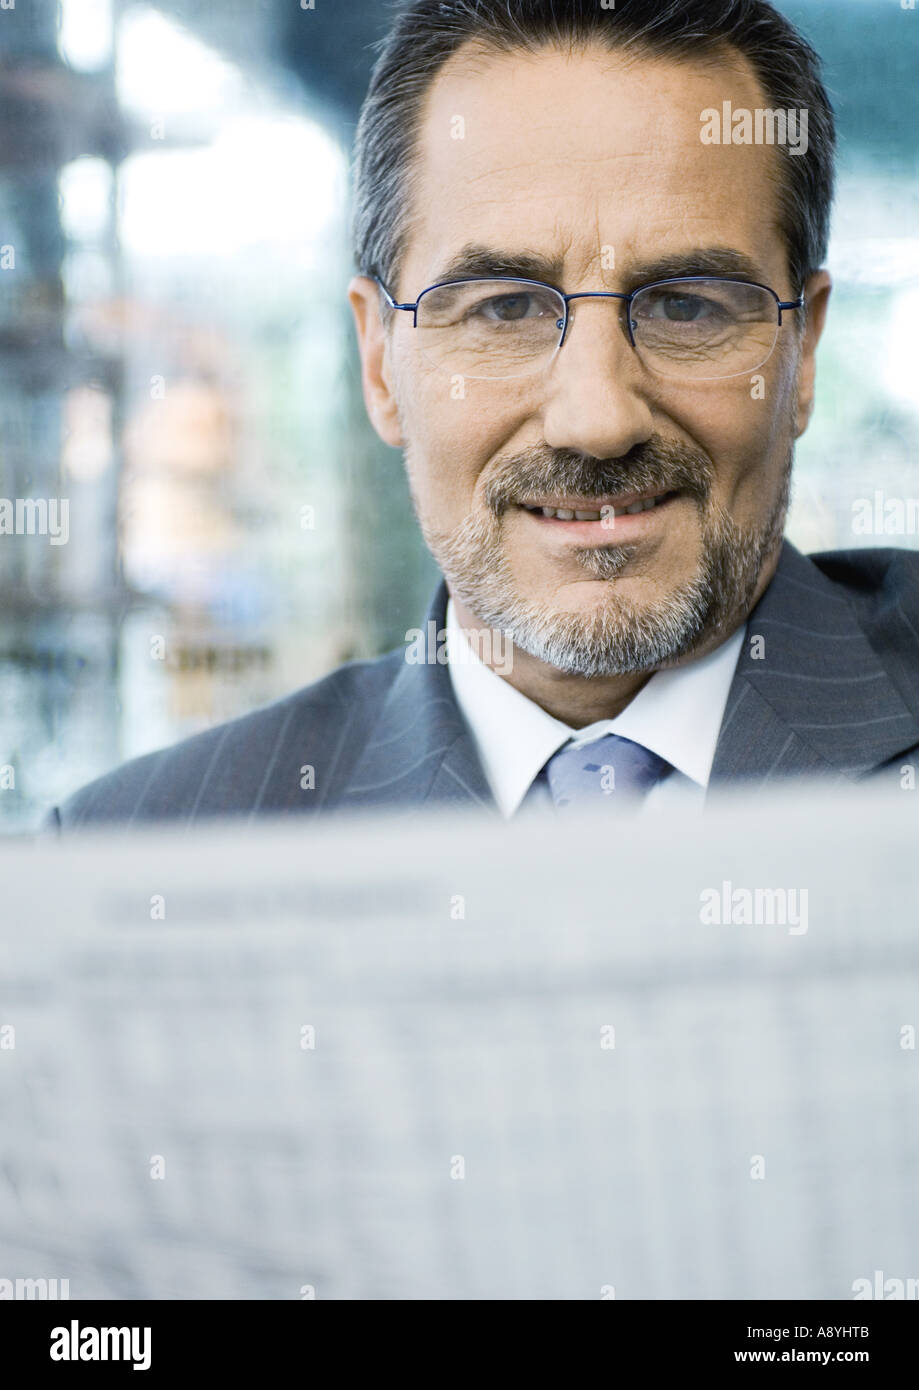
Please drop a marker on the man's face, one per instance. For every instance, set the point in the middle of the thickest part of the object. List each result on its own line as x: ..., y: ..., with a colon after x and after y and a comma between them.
x: 595, y: 166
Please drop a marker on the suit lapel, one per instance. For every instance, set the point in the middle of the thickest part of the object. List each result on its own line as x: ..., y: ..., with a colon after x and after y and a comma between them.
x: 420, y: 750
x: 812, y: 696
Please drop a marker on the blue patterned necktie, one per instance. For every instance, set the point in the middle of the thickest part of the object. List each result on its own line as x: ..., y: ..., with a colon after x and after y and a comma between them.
x: 611, y: 769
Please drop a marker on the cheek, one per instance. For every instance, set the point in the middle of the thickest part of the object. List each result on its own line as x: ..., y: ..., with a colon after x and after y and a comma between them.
x: 746, y: 429
x: 452, y: 430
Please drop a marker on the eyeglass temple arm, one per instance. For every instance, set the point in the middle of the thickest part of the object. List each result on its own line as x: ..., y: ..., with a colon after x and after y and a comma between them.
x: 389, y: 299
x: 791, y: 304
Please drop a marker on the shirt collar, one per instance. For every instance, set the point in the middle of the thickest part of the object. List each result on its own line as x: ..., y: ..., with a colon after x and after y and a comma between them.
x: 677, y: 714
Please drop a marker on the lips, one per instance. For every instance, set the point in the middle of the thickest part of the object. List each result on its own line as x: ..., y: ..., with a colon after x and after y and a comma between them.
x: 576, y: 509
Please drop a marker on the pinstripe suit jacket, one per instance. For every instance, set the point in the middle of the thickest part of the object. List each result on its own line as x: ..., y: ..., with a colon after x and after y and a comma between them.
x: 832, y: 690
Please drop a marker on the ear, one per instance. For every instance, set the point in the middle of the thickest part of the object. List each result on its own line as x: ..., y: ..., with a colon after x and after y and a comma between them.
x: 816, y: 298
x: 373, y: 345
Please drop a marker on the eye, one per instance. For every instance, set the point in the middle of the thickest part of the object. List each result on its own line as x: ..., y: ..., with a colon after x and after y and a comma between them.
x: 677, y: 306
x: 513, y: 308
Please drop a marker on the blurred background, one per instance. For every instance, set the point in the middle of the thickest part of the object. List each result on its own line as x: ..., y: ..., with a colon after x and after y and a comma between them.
x: 177, y: 361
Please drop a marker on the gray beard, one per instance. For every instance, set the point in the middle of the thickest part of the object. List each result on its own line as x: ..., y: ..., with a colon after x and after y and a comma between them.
x: 616, y: 637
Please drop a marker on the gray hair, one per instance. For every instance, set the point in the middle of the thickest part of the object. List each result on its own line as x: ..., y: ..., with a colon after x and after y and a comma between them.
x: 426, y: 33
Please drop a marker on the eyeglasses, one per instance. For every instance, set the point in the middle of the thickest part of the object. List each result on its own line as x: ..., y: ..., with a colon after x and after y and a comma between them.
x: 693, y: 328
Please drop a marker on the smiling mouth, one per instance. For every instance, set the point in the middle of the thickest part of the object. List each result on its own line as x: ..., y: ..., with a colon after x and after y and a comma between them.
x: 574, y: 509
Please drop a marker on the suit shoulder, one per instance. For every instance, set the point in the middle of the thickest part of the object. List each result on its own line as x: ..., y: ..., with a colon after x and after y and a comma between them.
x: 874, y: 579
x: 251, y: 763
x: 882, y: 585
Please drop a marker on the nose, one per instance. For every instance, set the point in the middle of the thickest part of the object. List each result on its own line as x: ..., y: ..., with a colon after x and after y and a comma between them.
x: 594, y: 401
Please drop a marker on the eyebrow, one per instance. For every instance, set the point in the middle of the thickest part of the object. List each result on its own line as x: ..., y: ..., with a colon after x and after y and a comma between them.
x: 475, y: 260
x: 700, y: 260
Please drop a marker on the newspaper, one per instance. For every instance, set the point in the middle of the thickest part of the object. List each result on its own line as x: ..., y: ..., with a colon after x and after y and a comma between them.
x: 456, y: 1059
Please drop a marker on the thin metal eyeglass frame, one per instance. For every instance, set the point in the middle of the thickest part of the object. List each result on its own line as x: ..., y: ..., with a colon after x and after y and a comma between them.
x: 563, y: 324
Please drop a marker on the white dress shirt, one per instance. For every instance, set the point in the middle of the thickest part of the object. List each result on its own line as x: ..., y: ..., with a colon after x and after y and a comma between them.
x: 676, y: 714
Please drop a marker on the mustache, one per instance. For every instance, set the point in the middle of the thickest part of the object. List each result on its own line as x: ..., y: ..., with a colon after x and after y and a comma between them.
x: 662, y: 464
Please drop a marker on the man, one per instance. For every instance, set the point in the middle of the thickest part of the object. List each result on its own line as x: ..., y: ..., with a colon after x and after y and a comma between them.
x: 589, y: 318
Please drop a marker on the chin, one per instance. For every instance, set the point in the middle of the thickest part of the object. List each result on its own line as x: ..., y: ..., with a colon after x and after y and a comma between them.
x: 623, y: 593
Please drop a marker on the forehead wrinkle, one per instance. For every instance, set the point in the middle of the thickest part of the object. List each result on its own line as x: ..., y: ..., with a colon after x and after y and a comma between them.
x: 550, y: 170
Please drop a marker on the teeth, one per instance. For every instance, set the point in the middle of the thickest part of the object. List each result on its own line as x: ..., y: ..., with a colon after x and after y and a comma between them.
x: 564, y: 514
